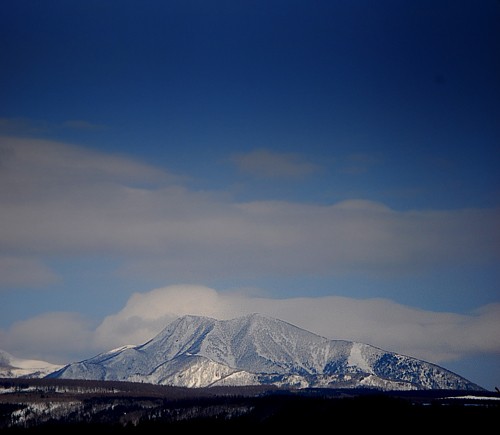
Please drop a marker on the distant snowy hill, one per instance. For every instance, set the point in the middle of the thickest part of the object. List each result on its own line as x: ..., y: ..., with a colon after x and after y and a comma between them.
x: 11, y: 367
x: 198, y: 351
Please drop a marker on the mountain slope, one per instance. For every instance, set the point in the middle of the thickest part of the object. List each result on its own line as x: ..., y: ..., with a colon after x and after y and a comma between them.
x: 11, y: 367
x: 198, y: 351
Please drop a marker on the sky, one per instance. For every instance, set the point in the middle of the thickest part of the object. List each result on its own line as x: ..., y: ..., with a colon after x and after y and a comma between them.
x: 334, y: 164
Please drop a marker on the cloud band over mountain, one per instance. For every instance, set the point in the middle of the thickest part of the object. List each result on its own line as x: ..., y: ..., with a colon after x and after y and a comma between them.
x: 432, y: 336
x: 59, y: 200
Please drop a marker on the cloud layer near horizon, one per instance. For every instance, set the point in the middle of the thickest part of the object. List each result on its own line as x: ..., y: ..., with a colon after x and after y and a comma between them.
x: 61, y: 200
x: 433, y: 336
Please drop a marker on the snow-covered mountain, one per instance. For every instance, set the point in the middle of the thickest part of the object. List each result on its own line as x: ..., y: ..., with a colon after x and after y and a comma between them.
x: 11, y: 367
x: 195, y: 351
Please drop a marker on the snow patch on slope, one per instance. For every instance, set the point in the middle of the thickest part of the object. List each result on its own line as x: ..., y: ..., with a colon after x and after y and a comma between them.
x: 357, y: 358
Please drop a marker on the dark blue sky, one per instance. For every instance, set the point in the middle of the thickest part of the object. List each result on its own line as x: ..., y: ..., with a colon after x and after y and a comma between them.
x: 410, y: 89
x: 287, y: 148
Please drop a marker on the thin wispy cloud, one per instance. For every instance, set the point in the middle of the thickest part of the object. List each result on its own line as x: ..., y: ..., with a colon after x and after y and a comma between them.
x: 359, y: 163
x: 23, y: 126
x: 19, y: 272
x: 81, y: 124
x: 32, y: 127
x: 264, y: 163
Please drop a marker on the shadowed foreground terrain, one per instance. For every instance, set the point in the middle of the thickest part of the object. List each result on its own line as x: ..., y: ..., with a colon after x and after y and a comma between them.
x: 56, y: 406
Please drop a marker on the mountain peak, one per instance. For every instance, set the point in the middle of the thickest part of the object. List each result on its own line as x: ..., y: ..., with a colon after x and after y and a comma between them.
x: 255, y: 349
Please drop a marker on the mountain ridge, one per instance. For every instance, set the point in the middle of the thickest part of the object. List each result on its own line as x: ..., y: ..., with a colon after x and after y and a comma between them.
x: 12, y: 367
x: 199, y: 351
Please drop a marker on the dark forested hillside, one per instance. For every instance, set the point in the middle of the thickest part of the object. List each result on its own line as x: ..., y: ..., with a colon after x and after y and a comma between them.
x: 56, y: 406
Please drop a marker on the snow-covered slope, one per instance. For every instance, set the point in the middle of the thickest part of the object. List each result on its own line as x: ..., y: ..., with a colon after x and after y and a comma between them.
x: 11, y: 367
x: 198, y: 351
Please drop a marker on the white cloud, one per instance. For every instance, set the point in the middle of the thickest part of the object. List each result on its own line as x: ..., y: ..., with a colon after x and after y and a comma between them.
x: 265, y: 163
x: 145, y: 314
x: 433, y: 336
x: 57, y: 337
x: 33, y: 165
x: 58, y: 200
